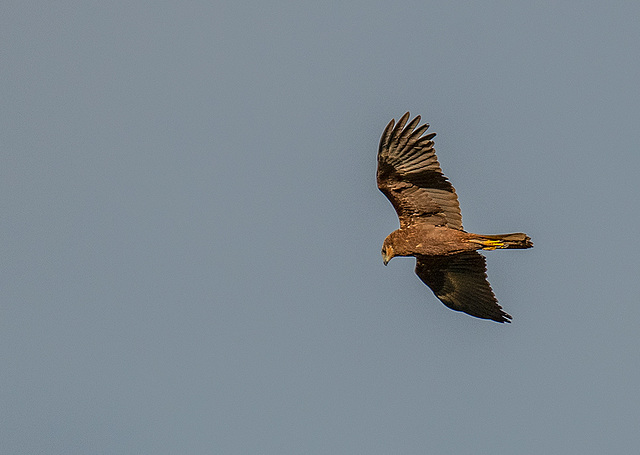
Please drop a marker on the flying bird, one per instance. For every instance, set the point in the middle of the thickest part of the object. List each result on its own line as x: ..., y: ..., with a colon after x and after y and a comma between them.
x: 431, y: 230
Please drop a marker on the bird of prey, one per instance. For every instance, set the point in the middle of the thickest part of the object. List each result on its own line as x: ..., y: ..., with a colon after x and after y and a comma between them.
x: 431, y: 230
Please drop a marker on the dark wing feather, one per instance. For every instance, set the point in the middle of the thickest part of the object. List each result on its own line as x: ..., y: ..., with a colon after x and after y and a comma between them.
x: 410, y: 176
x: 460, y: 282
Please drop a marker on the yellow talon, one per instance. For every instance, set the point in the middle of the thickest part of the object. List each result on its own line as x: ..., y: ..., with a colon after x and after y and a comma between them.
x: 489, y: 245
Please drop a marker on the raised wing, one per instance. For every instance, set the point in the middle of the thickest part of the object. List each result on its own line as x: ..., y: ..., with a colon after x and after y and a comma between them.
x: 460, y: 282
x: 410, y: 176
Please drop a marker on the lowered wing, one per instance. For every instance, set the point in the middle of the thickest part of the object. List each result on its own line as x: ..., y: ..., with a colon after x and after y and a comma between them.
x: 460, y: 282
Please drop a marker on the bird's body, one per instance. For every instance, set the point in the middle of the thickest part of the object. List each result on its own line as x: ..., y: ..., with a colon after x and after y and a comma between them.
x: 431, y: 224
x: 429, y: 240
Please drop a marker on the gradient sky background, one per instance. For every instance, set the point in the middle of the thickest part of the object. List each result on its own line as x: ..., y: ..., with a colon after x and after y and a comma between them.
x: 191, y: 227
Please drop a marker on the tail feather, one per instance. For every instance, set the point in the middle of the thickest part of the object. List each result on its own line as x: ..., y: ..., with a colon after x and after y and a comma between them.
x: 517, y: 240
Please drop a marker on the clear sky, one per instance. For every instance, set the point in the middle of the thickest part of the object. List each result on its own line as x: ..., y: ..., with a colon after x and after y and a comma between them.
x: 191, y: 228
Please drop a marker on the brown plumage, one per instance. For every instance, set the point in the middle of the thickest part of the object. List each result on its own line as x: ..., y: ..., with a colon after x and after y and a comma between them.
x: 431, y: 224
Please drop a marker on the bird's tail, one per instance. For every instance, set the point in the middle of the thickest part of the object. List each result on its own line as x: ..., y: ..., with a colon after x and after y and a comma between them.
x: 517, y: 240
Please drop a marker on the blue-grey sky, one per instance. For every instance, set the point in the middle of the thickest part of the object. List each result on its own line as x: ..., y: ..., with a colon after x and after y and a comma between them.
x: 191, y: 227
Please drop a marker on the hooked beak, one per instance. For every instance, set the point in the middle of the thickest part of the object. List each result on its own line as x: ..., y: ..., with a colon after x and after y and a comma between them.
x: 387, y: 255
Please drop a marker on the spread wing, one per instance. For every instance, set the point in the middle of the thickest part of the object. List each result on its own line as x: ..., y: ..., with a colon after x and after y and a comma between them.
x: 410, y: 176
x: 460, y: 282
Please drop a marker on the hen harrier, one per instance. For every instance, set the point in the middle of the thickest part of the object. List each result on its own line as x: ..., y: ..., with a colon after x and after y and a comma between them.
x: 409, y: 175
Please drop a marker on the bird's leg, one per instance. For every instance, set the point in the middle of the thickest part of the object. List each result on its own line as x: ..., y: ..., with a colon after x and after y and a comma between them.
x: 489, y: 245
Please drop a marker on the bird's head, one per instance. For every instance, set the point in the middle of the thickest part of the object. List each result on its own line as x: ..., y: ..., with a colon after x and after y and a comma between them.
x: 387, y: 251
